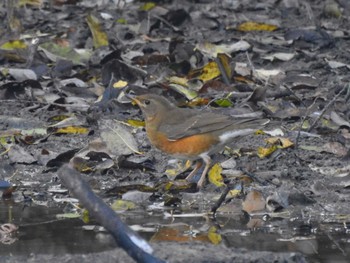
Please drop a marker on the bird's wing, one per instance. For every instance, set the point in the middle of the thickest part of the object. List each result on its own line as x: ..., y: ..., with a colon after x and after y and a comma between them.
x: 195, y: 122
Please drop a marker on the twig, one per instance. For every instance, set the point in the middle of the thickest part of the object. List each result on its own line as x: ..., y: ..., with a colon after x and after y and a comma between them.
x: 176, y: 29
x: 126, y: 238
x: 251, y: 64
x: 215, y: 207
x: 336, y: 244
x: 295, y: 95
x: 302, y: 123
x: 309, y: 12
x: 327, y: 107
x: 255, y: 178
x: 46, y: 103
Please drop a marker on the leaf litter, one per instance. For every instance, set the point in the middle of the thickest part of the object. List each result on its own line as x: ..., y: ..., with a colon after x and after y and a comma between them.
x: 269, y: 59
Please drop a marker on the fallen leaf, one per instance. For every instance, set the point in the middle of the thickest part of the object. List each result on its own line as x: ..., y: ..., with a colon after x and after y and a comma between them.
x: 55, y: 52
x: 35, y: 3
x: 136, y: 123
x: 178, y: 168
x: 253, y: 202
x: 181, y: 233
x: 279, y: 56
x: 118, y: 138
x: 189, y: 94
x: 71, y: 130
x: 335, y: 148
x: 255, y: 26
x: 147, y: 6
x: 215, y: 176
x: 210, y: 71
x: 213, y: 50
x: 100, y: 38
x: 123, y: 205
x: 280, y: 142
x: 213, y: 236
x: 265, y: 152
x: 14, y: 44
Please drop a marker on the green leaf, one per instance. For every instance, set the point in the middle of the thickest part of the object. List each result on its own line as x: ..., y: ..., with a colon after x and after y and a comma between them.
x: 100, y: 37
x: 55, y: 52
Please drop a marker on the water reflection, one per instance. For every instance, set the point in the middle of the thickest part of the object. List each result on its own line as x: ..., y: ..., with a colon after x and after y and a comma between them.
x: 40, y: 232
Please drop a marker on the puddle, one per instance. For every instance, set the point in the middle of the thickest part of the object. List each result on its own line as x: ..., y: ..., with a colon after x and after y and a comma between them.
x: 41, y: 233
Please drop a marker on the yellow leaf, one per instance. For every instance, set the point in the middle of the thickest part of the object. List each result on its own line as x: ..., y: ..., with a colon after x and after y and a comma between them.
x: 176, y: 186
x: 58, y: 118
x: 280, y: 142
x: 215, y: 176
x: 178, y: 80
x: 122, y: 205
x: 198, y: 102
x: 213, y: 236
x: 189, y: 94
x: 120, y: 84
x: 136, y: 123
x: 329, y: 124
x: 178, y: 168
x: 72, y: 130
x: 259, y: 132
x: 6, y: 143
x: 254, y: 26
x: 306, y: 125
x: 81, y: 165
x: 148, y: 6
x: 168, y: 186
x: 68, y: 216
x: 210, y: 71
x: 85, y: 216
x: 234, y: 192
x: 100, y: 38
x: 264, y: 152
x: 272, y: 140
x: 15, y: 44
x: 36, y: 3
x: 171, y: 172
x: 286, y: 143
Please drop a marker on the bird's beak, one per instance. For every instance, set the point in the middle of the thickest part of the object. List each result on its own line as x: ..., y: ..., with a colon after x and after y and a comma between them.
x: 133, y: 99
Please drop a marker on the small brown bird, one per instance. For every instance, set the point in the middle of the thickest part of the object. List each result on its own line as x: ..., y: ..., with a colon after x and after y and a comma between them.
x: 188, y: 133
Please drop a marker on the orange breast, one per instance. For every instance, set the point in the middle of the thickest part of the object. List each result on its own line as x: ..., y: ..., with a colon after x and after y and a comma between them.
x: 188, y: 147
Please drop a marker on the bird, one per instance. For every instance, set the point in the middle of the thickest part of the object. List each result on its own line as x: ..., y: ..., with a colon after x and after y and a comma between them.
x: 190, y: 134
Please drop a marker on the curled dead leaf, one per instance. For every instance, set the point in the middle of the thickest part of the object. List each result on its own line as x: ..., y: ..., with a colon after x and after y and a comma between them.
x: 253, y: 202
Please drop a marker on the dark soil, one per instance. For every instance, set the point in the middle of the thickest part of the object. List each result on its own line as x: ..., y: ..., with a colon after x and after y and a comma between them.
x: 305, y: 188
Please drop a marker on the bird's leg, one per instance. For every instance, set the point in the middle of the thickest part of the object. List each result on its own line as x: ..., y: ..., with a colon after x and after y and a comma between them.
x: 198, y: 165
x: 207, y: 161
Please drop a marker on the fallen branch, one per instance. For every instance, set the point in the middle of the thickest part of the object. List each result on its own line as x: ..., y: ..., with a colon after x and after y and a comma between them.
x: 126, y: 238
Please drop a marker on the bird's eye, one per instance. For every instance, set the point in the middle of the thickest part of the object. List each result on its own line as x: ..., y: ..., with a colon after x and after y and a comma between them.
x: 147, y: 102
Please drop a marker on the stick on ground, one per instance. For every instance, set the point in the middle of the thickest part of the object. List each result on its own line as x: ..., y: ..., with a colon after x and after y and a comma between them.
x: 126, y: 238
